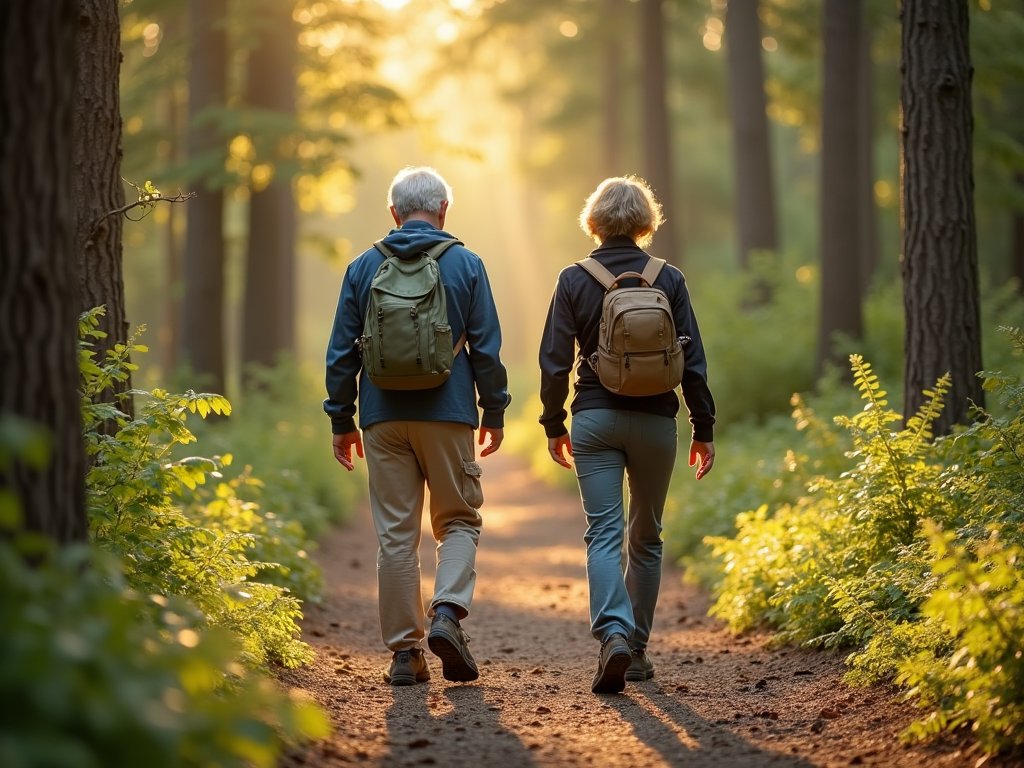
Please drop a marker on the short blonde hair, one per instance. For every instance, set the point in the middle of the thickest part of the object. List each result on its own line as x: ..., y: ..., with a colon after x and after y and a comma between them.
x: 623, y: 205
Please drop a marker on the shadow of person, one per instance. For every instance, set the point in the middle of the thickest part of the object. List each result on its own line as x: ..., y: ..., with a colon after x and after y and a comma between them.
x: 685, y: 739
x: 452, y: 726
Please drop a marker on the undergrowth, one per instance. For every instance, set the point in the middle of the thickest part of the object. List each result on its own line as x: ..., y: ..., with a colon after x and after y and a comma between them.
x: 908, y: 551
x: 148, y: 646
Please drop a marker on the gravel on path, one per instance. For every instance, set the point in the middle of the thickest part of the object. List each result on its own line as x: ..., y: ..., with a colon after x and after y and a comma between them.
x: 716, y: 699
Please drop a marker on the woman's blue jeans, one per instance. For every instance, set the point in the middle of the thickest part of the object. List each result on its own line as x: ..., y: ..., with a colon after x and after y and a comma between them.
x: 607, y: 445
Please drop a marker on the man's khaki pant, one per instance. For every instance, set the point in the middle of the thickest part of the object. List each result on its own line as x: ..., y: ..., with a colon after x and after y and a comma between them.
x: 401, y: 456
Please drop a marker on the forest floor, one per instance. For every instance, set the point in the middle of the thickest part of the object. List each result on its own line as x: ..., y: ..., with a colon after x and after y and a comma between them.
x: 716, y: 699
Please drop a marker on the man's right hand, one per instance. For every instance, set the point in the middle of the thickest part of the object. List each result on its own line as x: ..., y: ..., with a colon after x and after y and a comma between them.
x: 343, y: 448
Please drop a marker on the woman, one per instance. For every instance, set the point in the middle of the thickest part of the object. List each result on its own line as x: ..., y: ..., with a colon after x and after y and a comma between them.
x: 615, y: 435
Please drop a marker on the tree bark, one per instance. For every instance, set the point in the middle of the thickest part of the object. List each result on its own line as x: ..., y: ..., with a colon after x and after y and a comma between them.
x: 1017, y: 239
x: 940, y: 248
x: 866, y: 183
x: 656, y: 130
x: 202, y: 330
x: 38, y: 283
x: 611, y: 97
x: 172, y: 155
x: 755, y: 195
x: 840, y: 172
x: 268, y: 327
x: 96, y: 183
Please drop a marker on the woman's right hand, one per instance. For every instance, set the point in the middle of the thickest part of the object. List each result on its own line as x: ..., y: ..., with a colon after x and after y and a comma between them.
x: 558, y: 447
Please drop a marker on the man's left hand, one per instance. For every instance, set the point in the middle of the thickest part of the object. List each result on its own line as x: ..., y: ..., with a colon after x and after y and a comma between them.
x: 497, y: 435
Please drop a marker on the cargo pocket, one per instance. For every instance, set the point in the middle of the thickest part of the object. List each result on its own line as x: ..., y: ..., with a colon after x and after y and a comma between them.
x: 472, y: 489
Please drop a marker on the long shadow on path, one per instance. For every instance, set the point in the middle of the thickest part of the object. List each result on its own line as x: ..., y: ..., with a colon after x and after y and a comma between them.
x: 456, y: 727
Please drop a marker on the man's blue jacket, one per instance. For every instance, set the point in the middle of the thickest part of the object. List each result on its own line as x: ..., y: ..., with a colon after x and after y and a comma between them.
x: 470, y: 309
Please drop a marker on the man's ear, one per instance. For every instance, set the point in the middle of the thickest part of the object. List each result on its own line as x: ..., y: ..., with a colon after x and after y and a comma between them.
x: 441, y: 214
x: 395, y: 216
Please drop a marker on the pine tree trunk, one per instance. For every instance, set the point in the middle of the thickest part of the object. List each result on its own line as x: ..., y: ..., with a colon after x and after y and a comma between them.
x: 940, y: 249
x: 96, y: 183
x: 656, y: 132
x: 611, y: 97
x: 172, y: 155
x: 1017, y: 239
x: 840, y: 172
x: 268, y: 327
x: 866, y: 162
x: 38, y: 284
x: 755, y: 195
x: 202, y: 330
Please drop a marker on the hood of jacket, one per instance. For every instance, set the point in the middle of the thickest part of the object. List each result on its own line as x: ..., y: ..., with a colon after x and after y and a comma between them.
x: 413, y: 238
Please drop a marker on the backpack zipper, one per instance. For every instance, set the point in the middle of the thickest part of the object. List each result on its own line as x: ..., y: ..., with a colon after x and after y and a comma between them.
x: 416, y: 324
x: 380, y: 336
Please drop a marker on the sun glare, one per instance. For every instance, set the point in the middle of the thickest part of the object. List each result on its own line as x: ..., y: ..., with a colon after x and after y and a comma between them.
x: 394, y: 5
x: 460, y: 5
x: 447, y: 32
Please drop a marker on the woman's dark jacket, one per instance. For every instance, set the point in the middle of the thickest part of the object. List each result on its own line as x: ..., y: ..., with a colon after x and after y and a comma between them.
x: 574, y: 317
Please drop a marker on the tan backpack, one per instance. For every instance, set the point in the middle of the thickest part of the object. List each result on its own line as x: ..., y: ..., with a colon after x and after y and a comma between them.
x: 638, y: 352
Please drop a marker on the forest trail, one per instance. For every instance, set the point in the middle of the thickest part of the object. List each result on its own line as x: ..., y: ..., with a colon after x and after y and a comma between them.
x: 716, y: 699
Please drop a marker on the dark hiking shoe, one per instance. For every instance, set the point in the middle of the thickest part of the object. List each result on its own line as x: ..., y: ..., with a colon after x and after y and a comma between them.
x: 612, y: 665
x: 450, y: 643
x: 641, y: 668
x: 408, y: 668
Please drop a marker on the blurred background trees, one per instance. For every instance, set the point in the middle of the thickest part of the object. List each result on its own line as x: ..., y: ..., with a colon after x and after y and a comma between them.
x: 769, y: 128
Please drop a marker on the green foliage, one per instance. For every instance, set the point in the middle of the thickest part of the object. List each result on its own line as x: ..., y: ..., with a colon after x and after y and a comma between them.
x: 909, y: 551
x: 278, y: 430
x: 96, y: 675
x: 979, y: 603
x: 173, y: 536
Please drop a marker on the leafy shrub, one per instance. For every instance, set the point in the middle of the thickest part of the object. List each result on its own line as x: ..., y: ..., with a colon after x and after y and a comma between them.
x: 279, y: 429
x: 96, y: 675
x: 911, y: 553
x: 979, y: 606
x: 175, y: 539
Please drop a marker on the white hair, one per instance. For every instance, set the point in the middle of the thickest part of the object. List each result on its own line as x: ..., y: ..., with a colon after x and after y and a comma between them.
x: 419, y: 189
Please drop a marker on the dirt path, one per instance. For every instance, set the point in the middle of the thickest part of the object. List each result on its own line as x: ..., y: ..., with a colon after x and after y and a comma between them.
x: 716, y: 700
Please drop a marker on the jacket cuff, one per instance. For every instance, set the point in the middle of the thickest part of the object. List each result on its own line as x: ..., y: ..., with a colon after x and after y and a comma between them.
x: 342, y: 425
x: 704, y: 434
x: 493, y: 420
x: 555, y: 430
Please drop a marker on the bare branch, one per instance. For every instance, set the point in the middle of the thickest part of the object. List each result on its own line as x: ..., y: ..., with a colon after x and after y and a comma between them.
x: 148, y: 198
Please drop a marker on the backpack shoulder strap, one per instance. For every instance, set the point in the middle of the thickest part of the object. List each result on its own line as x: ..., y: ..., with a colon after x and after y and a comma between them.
x: 652, y: 270
x: 379, y: 245
x: 598, y: 271
x: 437, y: 250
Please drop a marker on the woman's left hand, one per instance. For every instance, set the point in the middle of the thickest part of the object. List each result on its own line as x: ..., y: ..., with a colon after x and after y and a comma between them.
x: 558, y: 447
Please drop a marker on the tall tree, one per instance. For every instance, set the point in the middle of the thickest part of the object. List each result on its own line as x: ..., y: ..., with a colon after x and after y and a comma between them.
x: 940, y: 249
x: 268, y: 324
x: 867, y: 209
x: 655, y: 132
x: 840, y: 196
x: 755, y: 194
x: 611, y: 96
x: 1017, y: 238
x: 38, y: 284
x: 202, y: 333
x: 96, y: 181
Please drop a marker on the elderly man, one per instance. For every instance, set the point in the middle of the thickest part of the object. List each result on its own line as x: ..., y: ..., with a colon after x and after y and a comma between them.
x: 414, y: 436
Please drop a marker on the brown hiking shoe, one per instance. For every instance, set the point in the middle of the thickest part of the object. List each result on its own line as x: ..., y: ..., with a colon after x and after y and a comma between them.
x: 408, y: 668
x: 642, y: 668
x: 612, y: 665
x: 451, y: 643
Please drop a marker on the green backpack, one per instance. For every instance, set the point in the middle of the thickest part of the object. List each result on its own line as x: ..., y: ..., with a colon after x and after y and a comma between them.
x: 407, y: 341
